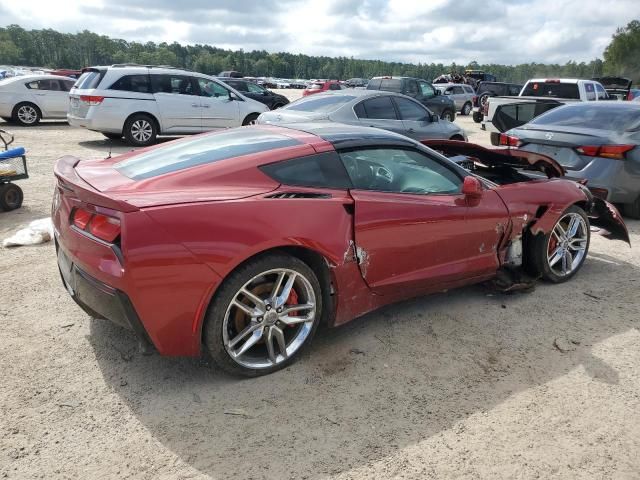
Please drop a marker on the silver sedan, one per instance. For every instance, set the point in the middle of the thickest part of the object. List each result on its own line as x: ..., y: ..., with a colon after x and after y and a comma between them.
x: 371, y: 108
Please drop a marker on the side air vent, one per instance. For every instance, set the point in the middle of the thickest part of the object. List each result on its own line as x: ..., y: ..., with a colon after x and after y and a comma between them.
x: 298, y: 195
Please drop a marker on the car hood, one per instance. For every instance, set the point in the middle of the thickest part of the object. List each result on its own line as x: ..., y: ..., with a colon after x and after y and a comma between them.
x: 283, y: 115
x: 499, y: 156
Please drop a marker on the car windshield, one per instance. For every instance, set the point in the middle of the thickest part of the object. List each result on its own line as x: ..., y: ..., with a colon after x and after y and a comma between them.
x: 201, y: 150
x: 319, y: 103
x: 610, y: 117
x: 551, y: 89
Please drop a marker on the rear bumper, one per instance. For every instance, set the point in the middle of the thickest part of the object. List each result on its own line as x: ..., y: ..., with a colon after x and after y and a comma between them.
x: 98, y: 299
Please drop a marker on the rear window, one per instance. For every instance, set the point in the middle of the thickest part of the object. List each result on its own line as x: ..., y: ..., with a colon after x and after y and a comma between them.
x: 323, y: 170
x: 132, y: 83
x: 609, y: 117
x: 316, y: 86
x: 89, y: 79
x: 319, y: 103
x: 391, y: 85
x: 551, y: 90
x: 201, y: 150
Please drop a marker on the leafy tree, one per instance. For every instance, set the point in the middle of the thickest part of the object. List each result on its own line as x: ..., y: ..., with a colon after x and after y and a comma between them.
x: 622, y: 56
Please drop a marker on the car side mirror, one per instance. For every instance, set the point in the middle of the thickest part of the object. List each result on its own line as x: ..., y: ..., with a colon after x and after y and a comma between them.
x: 434, y: 118
x: 472, y: 187
x: 437, y: 92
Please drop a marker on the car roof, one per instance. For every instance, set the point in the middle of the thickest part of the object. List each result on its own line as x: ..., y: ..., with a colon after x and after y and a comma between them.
x: 37, y: 76
x: 344, y: 136
x: 357, y: 93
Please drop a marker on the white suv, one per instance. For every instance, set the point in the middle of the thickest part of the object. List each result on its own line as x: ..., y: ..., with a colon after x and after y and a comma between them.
x: 140, y: 102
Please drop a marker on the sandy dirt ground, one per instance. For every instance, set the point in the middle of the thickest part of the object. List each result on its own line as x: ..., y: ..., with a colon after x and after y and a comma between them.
x: 463, y: 384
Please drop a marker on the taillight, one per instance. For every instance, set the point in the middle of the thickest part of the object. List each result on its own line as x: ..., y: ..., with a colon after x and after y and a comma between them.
x: 509, y: 140
x: 91, y: 99
x: 474, y: 100
x: 104, y: 227
x: 616, y: 152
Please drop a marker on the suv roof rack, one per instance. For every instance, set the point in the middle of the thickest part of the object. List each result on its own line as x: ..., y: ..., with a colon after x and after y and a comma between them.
x: 123, y: 65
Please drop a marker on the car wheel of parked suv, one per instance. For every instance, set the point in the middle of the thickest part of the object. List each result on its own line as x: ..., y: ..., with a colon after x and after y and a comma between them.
x: 264, y: 315
x: 140, y: 130
x: 466, y: 109
x: 250, y: 119
x: 447, y: 115
x: 26, y: 114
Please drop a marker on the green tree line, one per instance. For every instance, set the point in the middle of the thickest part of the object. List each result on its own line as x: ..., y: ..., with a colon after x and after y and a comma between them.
x: 51, y: 49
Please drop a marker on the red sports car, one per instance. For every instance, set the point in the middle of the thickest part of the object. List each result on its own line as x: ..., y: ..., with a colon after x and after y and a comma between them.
x: 241, y: 242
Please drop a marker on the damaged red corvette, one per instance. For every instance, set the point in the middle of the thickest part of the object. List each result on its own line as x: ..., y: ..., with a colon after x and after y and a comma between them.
x: 241, y: 242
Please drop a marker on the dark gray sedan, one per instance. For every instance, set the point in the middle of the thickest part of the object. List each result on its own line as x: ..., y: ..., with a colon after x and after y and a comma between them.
x: 371, y: 108
x: 598, y: 142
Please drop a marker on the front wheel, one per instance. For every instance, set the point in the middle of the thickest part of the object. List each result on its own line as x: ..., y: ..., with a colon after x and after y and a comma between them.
x: 466, y: 109
x: 11, y: 197
x: 250, y: 119
x: 558, y: 255
x: 264, y: 315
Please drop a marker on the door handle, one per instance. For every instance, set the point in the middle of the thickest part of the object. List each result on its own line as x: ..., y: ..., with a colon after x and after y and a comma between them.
x: 205, y: 106
x: 195, y: 105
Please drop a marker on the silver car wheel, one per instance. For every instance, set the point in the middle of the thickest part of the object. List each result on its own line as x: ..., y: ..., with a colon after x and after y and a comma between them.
x: 567, y: 244
x: 141, y: 130
x: 269, y: 318
x: 27, y: 114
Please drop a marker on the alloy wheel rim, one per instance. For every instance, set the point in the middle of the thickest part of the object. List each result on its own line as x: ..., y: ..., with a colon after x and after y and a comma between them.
x: 269, y: 318
x: 27, y: 114
x: 141, y: 130
x: 567, y: 244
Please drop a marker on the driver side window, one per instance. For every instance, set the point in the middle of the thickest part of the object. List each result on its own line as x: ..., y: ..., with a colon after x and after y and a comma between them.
x: 209, y: 88
x: 427, y: 90
x: 399, y: 170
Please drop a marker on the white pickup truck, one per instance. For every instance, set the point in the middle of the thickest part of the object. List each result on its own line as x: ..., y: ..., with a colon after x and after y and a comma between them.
x: 536, y: 97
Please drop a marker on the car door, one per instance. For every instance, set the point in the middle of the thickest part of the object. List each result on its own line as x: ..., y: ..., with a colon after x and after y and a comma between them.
x: 417, y: 121
x: 219, y: 108
x: 458, y: 96
x: 50, y: 97
x: 410, y: 222
x: 178, y: 103
x: 379, y: 112
x: 428, y: 97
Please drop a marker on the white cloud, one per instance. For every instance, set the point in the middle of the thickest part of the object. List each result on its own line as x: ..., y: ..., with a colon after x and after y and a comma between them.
x: 500, y: 31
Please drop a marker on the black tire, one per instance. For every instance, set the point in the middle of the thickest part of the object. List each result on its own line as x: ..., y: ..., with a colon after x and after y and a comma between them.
x: 250, y: 119
x: 632, y: 210
x: 466, y: 108
x: 477, y: 117
x: 112, y: 136
x: 26, y: 114
x: 213, y: 336
x: 482, y: 99
x: 537, y: 248
x: 11, y: 196
x: 448, y: 115
x: 140, y: 130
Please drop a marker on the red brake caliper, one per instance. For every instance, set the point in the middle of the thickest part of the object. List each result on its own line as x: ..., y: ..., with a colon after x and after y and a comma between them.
x: 292, y: 299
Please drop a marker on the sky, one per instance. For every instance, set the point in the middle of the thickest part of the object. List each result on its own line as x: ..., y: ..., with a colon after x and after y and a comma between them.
x: 439, y: 31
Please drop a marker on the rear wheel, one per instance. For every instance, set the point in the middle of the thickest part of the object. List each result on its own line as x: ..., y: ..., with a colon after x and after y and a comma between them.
x: 447, y: 115
x: 140, y: 130
x: 26, y: 114
x: 477, y: 117
x: 250, y: 119
x: 11, y: 196
x: 466, y: 109
x: 264, y: 315
x: 558, y: 255
x: 632, y: 210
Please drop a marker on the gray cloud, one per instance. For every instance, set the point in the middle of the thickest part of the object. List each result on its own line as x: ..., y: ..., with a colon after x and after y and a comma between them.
x: 495, y: 31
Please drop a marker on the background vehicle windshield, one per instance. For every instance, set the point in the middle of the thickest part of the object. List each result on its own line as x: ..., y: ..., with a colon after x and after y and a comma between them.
x: 552, y: 90
x: 611, y: 117
x: 328, y: 103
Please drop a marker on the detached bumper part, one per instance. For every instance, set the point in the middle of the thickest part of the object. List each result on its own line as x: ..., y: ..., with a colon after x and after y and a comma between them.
x: 100, y: 300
